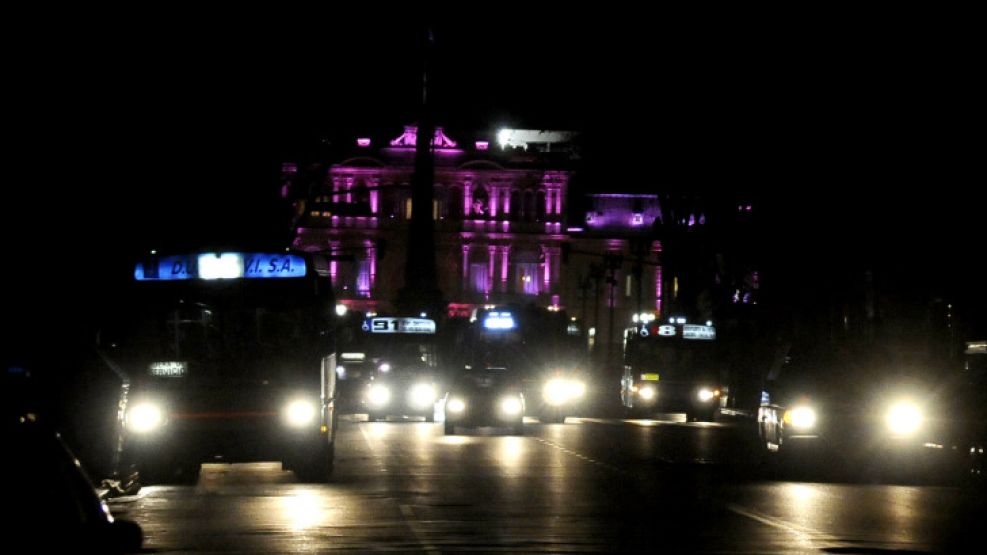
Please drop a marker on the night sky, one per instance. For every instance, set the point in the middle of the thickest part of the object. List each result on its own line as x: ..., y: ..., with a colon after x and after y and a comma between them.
x: 858, y: 135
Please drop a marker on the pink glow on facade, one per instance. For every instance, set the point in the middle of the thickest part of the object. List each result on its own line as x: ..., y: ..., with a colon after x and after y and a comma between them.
x: 507, y: 202
x: 373, y: 201
x: 363, y: 142
x: 372, y: 255
x: 658, y: 289
x: 492, y: 205
x: 505, y: 226
x: 558, y: 202
x: 547, y: 269
x: 504, y: 251
x: 468, y: 199
x: 492, y: 252
x: 466, y: 262
x: 548, y: 202
x: 637, y: 219
x: 410, y: 136
x: 656, y: 248
x: 482, y: 145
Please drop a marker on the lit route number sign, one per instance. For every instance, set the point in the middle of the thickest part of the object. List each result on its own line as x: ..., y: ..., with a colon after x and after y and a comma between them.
x: 687, y: 331
x: 399, y: 325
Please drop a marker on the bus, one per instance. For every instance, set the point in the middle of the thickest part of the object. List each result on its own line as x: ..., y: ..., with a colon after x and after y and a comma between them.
x: 224, y: 357
x: 672, y: 368
x: 546, y: 348
x: 402, y: 375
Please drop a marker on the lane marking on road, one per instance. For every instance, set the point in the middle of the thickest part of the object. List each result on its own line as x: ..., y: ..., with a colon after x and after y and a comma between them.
x: 408, y: 512
x: 803, y: 534
x: 583, y: 457
x: 646, y: 422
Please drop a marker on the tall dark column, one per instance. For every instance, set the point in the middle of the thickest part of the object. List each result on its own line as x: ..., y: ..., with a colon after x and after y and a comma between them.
x: 421, y: 290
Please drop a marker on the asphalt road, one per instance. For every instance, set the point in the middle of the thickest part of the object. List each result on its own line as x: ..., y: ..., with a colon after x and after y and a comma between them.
x: 601, y: 485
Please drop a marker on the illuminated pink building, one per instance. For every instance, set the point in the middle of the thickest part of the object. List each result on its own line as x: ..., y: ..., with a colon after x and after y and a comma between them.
x: 505, y: 231
x: 499, y: 218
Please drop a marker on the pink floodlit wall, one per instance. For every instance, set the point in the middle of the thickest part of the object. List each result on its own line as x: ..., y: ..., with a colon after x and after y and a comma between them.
x: 656, y: 249
x: 410, y: 137
x: 623, y: 211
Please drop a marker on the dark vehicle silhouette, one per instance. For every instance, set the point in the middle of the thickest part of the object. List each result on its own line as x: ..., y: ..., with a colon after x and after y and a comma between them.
x: 54, y: 506
x: 485, y: 397
x: 827, y: 411
x: 225, y: 356
x: 672, y: 367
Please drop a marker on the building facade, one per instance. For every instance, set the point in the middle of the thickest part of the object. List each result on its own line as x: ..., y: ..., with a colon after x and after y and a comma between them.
x: 505, y: 231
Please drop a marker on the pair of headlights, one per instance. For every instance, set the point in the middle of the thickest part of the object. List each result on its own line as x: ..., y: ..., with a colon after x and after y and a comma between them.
x: 420, y: 395
x: 902, y: 418
x: 705, y: 394
x: 147, y: 416
x: 509, y: 406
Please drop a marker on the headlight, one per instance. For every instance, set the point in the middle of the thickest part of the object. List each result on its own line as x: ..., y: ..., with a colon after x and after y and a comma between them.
x: 646, y: 392
x: 300, y: 413
x: 904, y: 418
x: 706, y: 394
x: 801, y: 418
x: 384, y: 367
x: 379, y: 395
x: 144, y: 417
x: 558, y: 391
x: 511, y: 406
x: 456, y: 406
x: 422, y: 394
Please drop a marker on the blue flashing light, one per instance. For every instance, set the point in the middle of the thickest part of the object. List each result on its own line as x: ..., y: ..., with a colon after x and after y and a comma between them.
x: 499, y: 321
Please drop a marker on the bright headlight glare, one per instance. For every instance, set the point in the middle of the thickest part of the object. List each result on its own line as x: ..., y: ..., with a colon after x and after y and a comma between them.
x: 379, y: 395
x: 706, y: 394
x: 558, y: 391
x: 904, y: 418
x: 511, y: 406
x: 801, y: 418
x: 456, y: 405
x: 647, y: 393
x: 578, y: 388
x: 422, y: 394
x: 300, y: 413
x: 144, y: 417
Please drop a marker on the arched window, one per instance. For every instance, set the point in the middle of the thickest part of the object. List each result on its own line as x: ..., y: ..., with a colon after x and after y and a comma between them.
x: 481, y: 207
x: 540, y: 206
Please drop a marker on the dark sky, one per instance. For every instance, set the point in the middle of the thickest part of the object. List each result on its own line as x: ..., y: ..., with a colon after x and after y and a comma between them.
x: 857, y: 131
